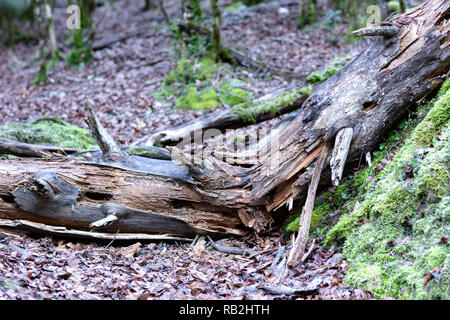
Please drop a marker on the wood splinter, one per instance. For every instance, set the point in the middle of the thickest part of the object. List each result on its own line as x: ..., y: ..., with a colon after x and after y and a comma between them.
x: 106, y: 221
x: 339, y: 155
x: 106, y: 143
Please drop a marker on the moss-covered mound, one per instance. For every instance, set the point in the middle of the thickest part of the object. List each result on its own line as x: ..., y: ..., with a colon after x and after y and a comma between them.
x: 392, y: 218
x: 51, y: 131
x: 396, y: 241
x: 191, y: 83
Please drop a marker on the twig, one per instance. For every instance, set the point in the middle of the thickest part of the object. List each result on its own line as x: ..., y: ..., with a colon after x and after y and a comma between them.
x: 111, y: 242
x: 230, y: 250
x: 280, y: 252
x: 106, y: 143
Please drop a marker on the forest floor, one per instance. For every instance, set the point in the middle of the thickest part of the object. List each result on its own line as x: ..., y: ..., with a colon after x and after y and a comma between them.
x: 120, y: 81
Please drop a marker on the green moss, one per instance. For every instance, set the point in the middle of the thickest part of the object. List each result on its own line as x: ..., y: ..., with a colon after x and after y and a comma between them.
x: 394, y: 238
x: 45, y: 67
x: 232, y: 95
x: 198, y: 100
x: 236, y: 96
x: 438, y: 116
x: 49, y: 130
x: 444, y: 88
x: 249, y: 112
x: 81, y: 53
x: 393, y: 6
x: 337, y: 64
x: 434, y: 174
x: 318, y: 216
x: 190, y: 82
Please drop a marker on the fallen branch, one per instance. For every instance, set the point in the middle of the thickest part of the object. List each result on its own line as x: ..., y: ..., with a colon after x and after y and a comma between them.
x: 305, y: 220
x: 387, y: 30
x: 73, y: 233
x: 235, y: 117
x: 281, y: 289
x: 229, y: 250
x: 121, y: 37
x: 21, y: 149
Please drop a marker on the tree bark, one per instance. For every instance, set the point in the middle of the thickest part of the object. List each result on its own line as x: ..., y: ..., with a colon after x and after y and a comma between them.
x: 198, y: 194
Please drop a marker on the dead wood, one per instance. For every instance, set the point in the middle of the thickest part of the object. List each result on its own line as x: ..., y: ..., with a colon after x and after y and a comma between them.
x: 232, y: 118
x: 199, y: 194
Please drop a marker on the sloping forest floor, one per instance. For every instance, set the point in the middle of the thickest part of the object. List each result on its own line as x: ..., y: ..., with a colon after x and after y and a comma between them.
x: 122, y: 80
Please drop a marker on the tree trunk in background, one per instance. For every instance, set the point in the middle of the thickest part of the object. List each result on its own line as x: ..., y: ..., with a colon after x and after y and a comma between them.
x: 215, y: 43
x: 408, y: 59
x: 307, y: 12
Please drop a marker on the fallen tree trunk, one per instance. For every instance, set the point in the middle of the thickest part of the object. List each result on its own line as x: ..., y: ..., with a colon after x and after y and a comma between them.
x: 198, y: 194
x: 261, y: 109
x: 21, y: 149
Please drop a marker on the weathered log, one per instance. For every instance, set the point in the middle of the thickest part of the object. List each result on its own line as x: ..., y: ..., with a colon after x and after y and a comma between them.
x: 31, y: 150
x: 263, y: 108
x: 21, y: 149
x: 204, y: 195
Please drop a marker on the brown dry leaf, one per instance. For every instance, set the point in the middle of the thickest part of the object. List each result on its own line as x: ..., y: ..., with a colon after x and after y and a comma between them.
x: 130, y: 251
x: 201, y: 276
x: 430, y: 274
x: 199, y: 247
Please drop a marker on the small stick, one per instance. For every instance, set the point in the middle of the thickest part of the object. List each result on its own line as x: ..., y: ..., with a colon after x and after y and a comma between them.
x: 306, y: 255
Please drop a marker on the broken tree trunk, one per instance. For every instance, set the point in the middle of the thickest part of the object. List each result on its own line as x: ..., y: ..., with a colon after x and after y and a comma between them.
x: 202, y: 195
